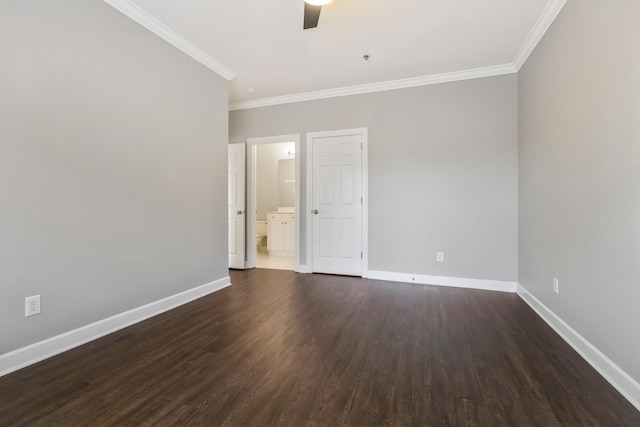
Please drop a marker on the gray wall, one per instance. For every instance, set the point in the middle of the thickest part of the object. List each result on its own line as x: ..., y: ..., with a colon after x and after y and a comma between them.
x: 579, y: 150
x: 112, y: 167
x: 442, y: 171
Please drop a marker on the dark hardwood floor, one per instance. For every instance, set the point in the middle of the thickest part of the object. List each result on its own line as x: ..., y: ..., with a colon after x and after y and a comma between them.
x: 279, y: 348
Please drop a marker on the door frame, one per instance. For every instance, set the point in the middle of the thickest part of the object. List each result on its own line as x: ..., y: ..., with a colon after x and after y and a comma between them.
x: 364, y: 132
x: 252, y: 203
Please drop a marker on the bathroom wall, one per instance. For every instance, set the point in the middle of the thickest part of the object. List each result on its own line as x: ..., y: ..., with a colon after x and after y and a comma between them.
x: 286, y: 182
x: 267, y: 182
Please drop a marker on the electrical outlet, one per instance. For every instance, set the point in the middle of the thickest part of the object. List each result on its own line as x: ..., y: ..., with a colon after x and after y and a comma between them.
x: 440, y: 256
x: 32, y: 306
x: 556, y: 286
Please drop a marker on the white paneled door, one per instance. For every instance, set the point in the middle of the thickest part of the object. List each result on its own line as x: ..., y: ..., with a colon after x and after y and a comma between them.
x: 236, y: 206
x: 337, y: 209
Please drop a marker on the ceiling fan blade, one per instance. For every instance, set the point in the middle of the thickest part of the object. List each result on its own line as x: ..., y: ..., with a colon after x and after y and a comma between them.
x: 311, y: 15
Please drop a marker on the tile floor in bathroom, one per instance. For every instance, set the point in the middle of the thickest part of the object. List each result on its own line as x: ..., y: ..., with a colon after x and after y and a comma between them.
x: 263, y: 260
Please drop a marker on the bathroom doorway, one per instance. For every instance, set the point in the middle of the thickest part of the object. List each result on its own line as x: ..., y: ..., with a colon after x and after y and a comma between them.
x: 272, y: 201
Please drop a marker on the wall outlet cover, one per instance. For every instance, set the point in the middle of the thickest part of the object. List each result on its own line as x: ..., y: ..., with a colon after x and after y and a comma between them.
x: 32, y: 305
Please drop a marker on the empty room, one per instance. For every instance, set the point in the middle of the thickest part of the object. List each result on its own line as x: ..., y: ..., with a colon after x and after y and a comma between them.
x: 319, y: 213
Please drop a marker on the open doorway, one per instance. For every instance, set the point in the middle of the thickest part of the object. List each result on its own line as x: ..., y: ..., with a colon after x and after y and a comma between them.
x: 272, y: 202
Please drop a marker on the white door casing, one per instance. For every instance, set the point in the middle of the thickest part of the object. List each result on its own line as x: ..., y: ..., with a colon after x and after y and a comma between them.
x: 337, y: 212
x: 237, y: 206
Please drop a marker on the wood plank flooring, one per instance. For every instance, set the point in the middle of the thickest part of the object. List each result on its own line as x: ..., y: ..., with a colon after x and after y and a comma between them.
x: 284, y: 349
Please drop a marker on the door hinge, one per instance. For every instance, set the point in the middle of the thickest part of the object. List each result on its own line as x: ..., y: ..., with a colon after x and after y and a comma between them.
x: 360, y: 255
x: 362, y: 145
x: 361, y: 201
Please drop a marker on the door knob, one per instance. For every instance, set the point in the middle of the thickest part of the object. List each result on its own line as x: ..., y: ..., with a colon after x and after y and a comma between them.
x: 315, y: 211
x: 239, y: 212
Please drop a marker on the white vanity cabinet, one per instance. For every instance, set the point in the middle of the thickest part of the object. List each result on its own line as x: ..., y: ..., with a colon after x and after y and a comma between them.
x: 281, y: 237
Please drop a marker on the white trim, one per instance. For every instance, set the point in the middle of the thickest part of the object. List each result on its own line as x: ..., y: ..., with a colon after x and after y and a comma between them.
x: 365, y: 204
x: 251, y: 206
x: 134, y: 12
x: 455, y: 282
x: 377, y: 87
x: 23, y: 357
x: 297, y: 201
x: 364, y: 132
x: 303, y: 269
x: 611, y: 372
x: 251, y: 194
x: 546, y: 18
x: 548, y: 15
x: 309, y: 206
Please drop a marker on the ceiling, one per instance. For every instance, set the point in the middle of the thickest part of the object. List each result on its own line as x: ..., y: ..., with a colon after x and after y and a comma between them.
x: 263, y: 44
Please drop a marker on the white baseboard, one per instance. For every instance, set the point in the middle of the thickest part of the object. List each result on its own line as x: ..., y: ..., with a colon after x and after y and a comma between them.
x: 25, y: 356
x: 456, y: 282
x: 302, y: 268
x: 611, y: 372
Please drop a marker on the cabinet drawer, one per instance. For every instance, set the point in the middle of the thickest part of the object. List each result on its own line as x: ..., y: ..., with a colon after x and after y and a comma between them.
x: 273, y: 217
x: 288, y: 217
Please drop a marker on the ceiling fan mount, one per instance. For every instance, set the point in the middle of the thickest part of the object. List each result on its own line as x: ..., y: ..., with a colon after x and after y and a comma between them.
x: 312, y: 10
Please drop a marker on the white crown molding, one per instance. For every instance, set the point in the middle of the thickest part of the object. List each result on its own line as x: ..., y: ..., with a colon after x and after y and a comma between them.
x: 546, y: 18
x: 548, y: 15
x: 23, y: 357
x: 611, y: 372
x: 377, y: 87
x: 454, y: 282
x: 150, y: 23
